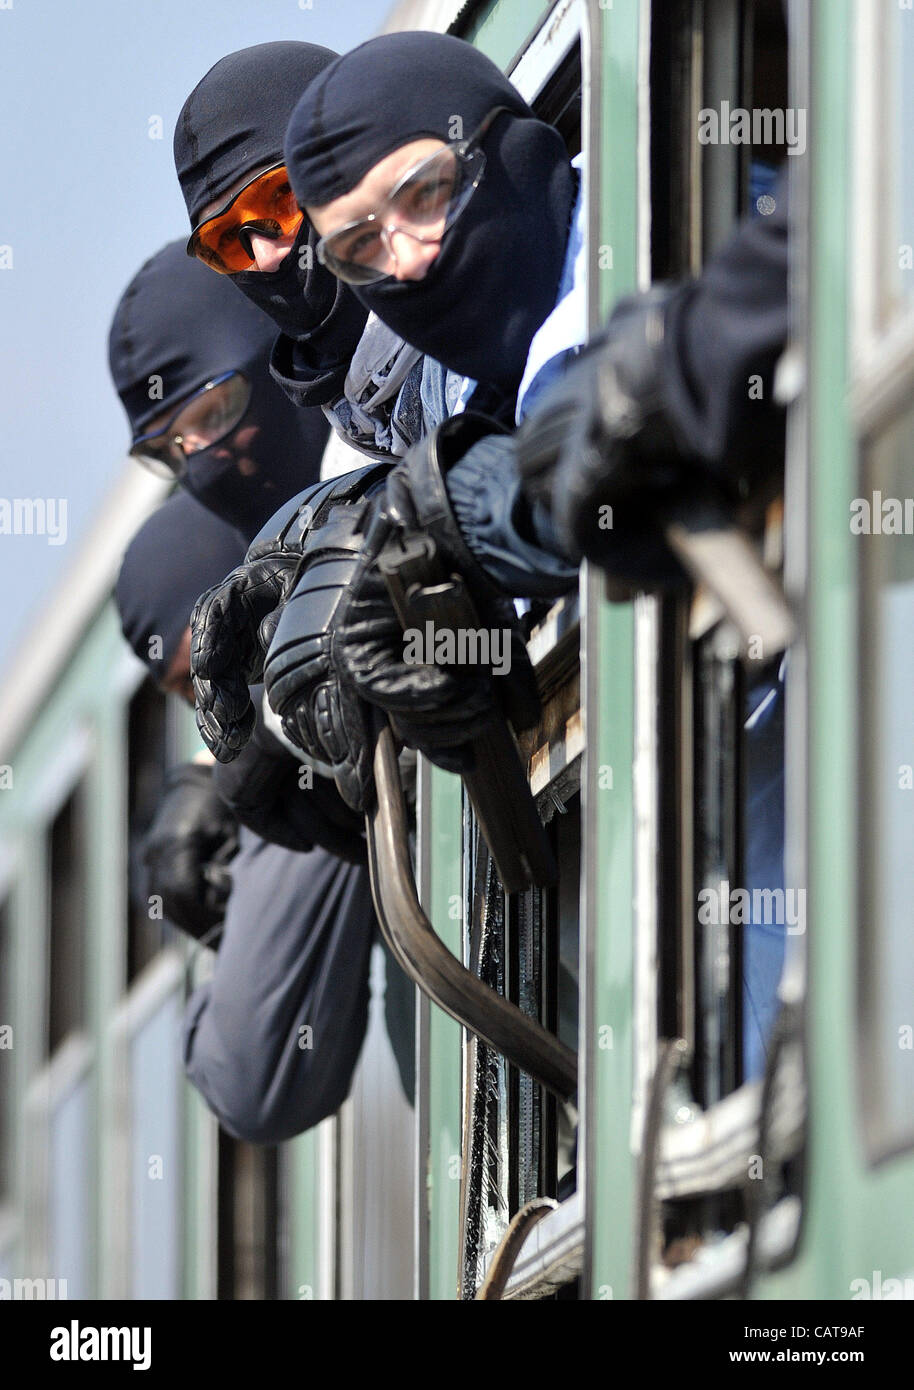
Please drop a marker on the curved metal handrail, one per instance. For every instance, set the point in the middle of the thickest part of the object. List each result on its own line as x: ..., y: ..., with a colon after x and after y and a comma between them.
x: 427, y: 961
x: 510, y: 1246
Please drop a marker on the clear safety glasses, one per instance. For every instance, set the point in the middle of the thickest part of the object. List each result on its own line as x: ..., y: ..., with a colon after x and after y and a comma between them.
x: 265, y: 205
x: 201, y: 421
x: 424, y: 204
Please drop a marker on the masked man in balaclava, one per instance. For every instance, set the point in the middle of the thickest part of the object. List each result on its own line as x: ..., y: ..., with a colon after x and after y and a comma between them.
x: 189, y: 358
x: 479, y: 264
x: 377, y: 393
x: 471, y: 249
x: 297, y: 920
x: 190, y: 362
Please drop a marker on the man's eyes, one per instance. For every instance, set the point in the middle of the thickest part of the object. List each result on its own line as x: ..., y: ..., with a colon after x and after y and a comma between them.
x: 207, y: 417
x: 360, y: 246
x: 227, y: 238
x: 283, y: 196
x: 430, y: 193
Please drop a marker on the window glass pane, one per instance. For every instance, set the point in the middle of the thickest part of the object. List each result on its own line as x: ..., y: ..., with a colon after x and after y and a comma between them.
x: 155, y: 1153
x: 146, y: 743
x: 884, y: 516
x: 70, y: 1189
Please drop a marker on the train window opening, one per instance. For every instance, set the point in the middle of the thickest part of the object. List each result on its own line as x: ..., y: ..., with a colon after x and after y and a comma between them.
x: 559, y: 102
x: 718, y: 757
x: 720, y: 722
x: 485, y: 1200
x: 67, y: 1001
x: 752, y: 928
x: 721, y: 795
x: 562, y: 983
x: 520, y: 1142
x: 764, y: 55
x: 542, y: 951
x: 526, y: 988
x: 147, y: 749
x: 674, y: 151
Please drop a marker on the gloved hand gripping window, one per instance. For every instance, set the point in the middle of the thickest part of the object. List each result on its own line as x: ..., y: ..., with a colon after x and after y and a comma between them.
x: 233, y: 622
x: 309, y: 684
x: 629, y: 487
x: 188, y: 848
x: 263, y: 787
x: 401, y: 612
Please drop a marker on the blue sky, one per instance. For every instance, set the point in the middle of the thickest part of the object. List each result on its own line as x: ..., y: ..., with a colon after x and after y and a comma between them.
x: 85, y: 197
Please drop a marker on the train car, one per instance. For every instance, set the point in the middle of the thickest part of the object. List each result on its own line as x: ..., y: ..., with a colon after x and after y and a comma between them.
x: 675, y: 1174
x: 626, y: 1149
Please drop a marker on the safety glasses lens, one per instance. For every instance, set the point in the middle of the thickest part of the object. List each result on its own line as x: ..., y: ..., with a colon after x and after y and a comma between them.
x: 209, y: 415
x: 267, y: 205
x: 425, y: 203
x: 160, y: 463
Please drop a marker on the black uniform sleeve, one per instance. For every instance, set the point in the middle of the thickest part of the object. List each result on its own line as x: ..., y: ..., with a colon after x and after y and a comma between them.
x: 272, y: 1040
x: 726, y: 326
x: 513, y: 541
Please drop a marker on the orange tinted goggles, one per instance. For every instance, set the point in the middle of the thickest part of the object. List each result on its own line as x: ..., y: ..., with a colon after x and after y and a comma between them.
x: 266, y: 205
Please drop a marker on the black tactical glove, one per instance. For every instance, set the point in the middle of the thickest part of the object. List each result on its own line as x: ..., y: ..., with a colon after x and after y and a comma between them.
x: 600, y: 451
x: 270, y: 792
x: 321, y: 713
x: 188, y: 847
x: 340, y: 639
x: 234, y: 621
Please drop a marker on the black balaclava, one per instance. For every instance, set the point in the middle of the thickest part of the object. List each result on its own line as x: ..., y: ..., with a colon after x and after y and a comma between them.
x: 233, y: 124
x: 497, y: 274
x: 179, y: 553
x: 179, y: 325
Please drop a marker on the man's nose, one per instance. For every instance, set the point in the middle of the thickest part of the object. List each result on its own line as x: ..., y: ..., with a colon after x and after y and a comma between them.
x: 412, y: 258
x: 268, y: 252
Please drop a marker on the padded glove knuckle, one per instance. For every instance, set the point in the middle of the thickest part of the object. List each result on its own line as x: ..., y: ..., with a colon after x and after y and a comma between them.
x: 302, y: 683
x: 233, y: 623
